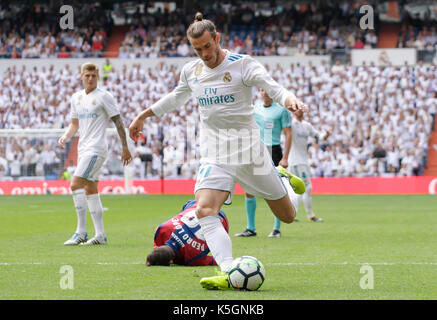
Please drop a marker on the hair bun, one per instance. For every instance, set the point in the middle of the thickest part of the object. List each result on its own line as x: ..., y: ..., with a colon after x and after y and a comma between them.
x: 198, y: 16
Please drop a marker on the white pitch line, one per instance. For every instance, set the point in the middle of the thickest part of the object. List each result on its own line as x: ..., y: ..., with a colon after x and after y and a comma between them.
x: 267, y: 264
x: 349, y: 263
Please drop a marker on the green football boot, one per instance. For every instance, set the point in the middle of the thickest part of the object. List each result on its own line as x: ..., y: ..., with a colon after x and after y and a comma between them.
x: 296, y: 183
x: 219, y: 282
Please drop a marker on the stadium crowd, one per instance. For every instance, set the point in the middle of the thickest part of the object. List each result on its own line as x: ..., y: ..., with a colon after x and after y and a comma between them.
x: 33, y: 31
x: 317, y: 28
x: 380, y: 118
x: 247, y: 27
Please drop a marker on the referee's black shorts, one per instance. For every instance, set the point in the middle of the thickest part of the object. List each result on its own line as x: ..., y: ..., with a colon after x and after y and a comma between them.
x: 276, y: 153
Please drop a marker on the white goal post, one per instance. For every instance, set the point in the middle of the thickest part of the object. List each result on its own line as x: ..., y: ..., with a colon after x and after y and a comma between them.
x: 49, y: 138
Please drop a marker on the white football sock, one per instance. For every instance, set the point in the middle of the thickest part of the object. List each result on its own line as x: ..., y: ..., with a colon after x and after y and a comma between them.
x: 308, y: 203
x: 96, y: 210
x: 293, y: 196
x: 80, y: 204
x: 218, y: 241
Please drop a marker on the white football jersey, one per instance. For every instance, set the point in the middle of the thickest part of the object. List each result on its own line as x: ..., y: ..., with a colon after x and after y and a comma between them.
x: 301, y: 131
x: 228, y: 131
x: 94, y: 111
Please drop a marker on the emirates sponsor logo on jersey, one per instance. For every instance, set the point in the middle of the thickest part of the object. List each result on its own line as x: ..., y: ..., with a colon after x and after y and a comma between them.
x: 212, y: 96
x: 221, y: 99
x: 87, y: 115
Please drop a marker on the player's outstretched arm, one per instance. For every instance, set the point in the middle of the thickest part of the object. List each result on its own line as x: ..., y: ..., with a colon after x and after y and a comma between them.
x: 126, y: 157
x: 71, y: 131
x: 287, y: 147
x: 136, y: 127
x: 254, y: 74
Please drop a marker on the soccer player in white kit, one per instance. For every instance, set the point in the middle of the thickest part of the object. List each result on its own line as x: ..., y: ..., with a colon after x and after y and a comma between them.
x: 301, y: 131
x: 231, y: 149
x: 91, y: 109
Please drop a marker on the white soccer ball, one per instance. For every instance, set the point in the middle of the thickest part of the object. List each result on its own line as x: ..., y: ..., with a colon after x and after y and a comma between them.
x: 246, y: 273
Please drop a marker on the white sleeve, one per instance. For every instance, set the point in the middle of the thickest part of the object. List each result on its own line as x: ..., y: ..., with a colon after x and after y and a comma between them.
x: 255, y: 75
x: 174, y: 99
x: 110, y: 105
x: 316, y: 134
x: 73, y: 114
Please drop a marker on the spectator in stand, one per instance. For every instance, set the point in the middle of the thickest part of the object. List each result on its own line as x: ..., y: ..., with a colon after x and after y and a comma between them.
x: 365, y: 107
x: 282, y: 49
x: 64, y: 53
x: 15, y: 166
x: 172, y: 51
x: 183, y: 49
x: 97, y: 44
x: 359, y: 44
x: 371, y: 39
x: 31, y: 32
x: 4, y: 169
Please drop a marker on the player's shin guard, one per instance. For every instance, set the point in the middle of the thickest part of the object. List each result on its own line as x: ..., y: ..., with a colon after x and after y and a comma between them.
x: 80, y: 204
x: 96, y: 210
x: 218, y: 241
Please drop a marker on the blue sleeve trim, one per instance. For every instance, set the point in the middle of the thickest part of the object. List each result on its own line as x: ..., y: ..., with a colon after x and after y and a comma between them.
x: 188, y: 204
x: 157, y: 231
x: 174, y: 245
x: 222, y: 214
x: 201, y: 255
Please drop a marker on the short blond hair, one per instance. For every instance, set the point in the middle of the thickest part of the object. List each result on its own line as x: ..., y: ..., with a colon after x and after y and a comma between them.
x: 89, y: 66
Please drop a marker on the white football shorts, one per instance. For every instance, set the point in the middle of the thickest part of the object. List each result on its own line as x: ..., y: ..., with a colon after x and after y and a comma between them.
x: 266, y: 184
x: 88, y: 167
x: 303, y: 172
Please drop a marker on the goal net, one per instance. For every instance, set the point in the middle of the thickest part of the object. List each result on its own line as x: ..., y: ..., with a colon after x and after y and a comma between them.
x: 34, y: 154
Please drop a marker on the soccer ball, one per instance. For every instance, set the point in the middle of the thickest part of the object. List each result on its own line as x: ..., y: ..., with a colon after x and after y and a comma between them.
x: 246, y: 273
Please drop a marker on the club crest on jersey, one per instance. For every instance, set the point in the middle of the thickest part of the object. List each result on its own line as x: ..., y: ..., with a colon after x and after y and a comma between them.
x: 94, y: 102
x: 227, y: 77
x: 198, y: 70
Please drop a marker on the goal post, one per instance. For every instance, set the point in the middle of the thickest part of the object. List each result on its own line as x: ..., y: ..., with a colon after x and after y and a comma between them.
x: 49, y: 162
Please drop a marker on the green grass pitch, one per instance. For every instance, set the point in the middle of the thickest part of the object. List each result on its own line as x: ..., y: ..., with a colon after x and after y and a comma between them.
x: 395, y: 235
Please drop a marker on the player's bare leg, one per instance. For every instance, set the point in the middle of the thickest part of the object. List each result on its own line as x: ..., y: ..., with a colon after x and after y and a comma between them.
x: 282, y: 209
x: 285, y: 209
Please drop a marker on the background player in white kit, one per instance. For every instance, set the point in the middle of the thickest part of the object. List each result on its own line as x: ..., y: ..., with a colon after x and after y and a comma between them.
x: 231, y: 149
x: 91, y: 109
x: 298, y: 162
